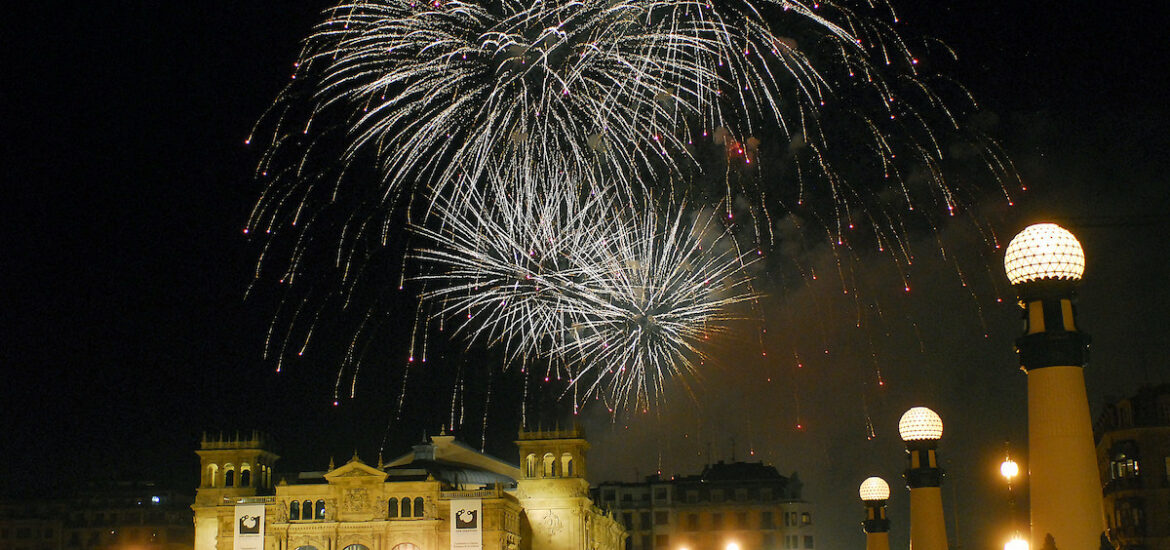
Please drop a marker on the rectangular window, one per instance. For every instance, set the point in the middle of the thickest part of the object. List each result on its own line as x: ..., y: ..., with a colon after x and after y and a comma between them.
x: 766, y: 520
x: 717, y: 520
x: 608, y: 495
x: 808, y: 542
x: 741, y: 495
x: 645, y: 542
x: 741, y: 520
x: 628, y: 520
x: 717, y: 495
x: 644, y: 520
x: 806, y: 519
x: 660, y: 494
x: 692, y: 522
x: 692, y: 497
x: 769, y: 541
x: 626, y: 497
x: 661, y: 541
x: 661, y: 518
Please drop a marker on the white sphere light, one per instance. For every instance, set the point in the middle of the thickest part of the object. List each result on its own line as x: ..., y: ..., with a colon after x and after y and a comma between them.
x: 1016, y: 543
x: 1009, y: 469
x: 875, y: 488
x: 1044, y: 251
x: 920, y: 424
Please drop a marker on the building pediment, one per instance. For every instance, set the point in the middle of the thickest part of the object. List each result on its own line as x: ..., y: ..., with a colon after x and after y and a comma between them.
x: 355, y: 471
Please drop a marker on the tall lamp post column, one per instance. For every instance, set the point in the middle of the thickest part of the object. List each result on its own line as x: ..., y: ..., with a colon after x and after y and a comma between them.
x: 1044, y: 263
x: 921, y: 428
x: 874, y: 493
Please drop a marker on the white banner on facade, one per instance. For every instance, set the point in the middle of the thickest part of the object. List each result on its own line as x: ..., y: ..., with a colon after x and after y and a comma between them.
x: 249, y: 526
x: 466, y: 529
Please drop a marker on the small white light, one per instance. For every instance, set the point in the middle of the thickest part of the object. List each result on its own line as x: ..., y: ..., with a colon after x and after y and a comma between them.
x: 1016, y: 543
x: 1009, y: 469
x: 155, y: 500
x: 920, y: 424
x: 1044, y: 251
x: 875, y: 488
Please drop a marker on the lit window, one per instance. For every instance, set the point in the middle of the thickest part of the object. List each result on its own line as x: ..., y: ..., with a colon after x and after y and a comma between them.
x: 806, y: 519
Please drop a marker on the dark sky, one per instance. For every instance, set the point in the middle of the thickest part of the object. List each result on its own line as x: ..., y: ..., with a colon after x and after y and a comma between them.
x: 125, y: 333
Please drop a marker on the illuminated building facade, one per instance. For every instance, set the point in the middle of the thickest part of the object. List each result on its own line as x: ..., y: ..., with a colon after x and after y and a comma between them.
x: 100, y: 516
x: 440, y: 495
x: 1133, y: 455
x: 729, y: 506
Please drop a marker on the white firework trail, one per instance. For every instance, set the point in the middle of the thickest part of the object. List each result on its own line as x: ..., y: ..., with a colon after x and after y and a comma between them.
x: 617, y: 300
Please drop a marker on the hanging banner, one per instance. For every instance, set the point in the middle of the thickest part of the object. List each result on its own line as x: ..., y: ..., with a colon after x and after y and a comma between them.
x: 249, y: 526
x: 466, y: 530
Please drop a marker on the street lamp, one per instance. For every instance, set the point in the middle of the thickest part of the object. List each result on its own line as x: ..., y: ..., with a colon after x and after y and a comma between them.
x: 921, y: 429
x: 1017, y: 543
x: 1009, y: 470
x: 1044, y: 263
x: 874, y: 493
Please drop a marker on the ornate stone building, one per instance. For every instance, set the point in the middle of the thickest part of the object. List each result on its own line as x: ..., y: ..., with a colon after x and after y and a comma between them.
x: 442, y: 494
x: 1133, y: 456
x: 729, y: 506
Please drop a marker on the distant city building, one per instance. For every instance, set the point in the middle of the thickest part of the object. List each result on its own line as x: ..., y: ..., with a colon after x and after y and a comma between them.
x: 441, y: 495
x: 729, y: 506
x: 100, y: 516
x: 1133, y: 454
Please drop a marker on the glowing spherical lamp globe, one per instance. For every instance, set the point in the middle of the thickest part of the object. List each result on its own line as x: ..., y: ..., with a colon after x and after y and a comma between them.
x: 1009, y: 469
x: 1044, y: 251
x: 875, y: 488
x: 1016, y: 543
x: 920, y: 424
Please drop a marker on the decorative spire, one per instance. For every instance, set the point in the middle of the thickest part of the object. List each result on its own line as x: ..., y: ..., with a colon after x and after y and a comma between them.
x: 380, y: 463
x: 331, y: 466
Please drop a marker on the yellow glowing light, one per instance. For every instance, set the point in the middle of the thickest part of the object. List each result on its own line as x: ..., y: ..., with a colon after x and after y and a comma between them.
x: 875, y: 488
x: 1044, y: 251
x: 731, y: 546
x: 1009, y: 469
x: 1016, y: 543
x: 920, y: 424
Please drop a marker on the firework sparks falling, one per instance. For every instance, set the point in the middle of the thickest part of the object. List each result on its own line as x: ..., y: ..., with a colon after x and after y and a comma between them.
x: 616, y: 300
x: 815, y: 109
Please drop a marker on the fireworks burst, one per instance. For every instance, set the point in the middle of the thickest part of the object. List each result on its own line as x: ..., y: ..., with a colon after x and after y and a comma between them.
x: 531, y: 134
x: 614, y: 299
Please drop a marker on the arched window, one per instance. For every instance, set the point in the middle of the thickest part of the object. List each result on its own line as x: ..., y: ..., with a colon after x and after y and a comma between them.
x: 356, y: 547
x: 229, y: 477
x: 405, y: 546
x: 418, y: 507
x: 567, y: 464
x: 320, y: 510
x: 212, y: 475
x: 550, y: 466
x: 307, y: 510
x: 406, y: 507
x: 530, y: 466
x: 245, y: 478
x: 392, y: 508
x: 294, y: 510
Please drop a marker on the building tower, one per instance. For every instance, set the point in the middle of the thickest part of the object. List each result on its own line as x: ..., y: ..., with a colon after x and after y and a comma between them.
x: 921, y: 428
x: 231, y: 468
x: 554, y: 493
x: 1044, y: 263
x: 874, y: 493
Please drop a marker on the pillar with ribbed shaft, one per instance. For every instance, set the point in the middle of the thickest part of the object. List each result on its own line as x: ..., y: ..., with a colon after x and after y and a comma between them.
x: 921, y: 428
x: 874, y: 493
x: 1044, y: 262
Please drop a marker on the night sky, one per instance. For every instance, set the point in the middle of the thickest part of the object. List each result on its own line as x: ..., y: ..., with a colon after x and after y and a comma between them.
x: 126, y: 333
